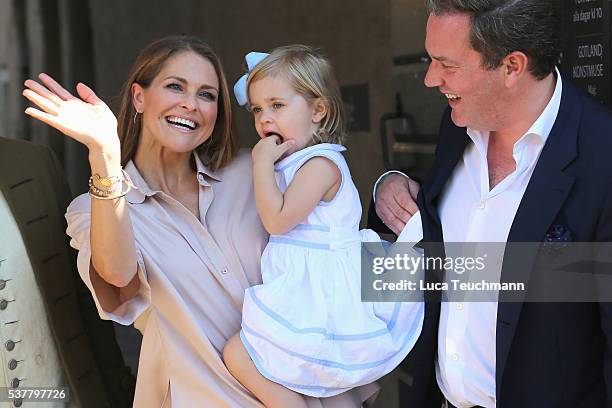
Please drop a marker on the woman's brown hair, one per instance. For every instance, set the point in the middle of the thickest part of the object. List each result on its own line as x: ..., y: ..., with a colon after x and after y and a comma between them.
x: 221, y: 145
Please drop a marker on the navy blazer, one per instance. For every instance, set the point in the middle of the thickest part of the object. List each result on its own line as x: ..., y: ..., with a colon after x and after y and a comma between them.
x: 548, y: 354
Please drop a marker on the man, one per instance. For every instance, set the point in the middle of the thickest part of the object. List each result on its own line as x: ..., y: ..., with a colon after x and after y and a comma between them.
x: 522, y: 154
x: 50, y: 332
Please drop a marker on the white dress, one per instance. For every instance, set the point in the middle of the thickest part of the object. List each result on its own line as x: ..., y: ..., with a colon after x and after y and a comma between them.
x: 305, y: 327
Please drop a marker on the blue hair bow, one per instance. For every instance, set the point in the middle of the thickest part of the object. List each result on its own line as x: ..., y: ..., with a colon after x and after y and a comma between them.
x: 240, y: 91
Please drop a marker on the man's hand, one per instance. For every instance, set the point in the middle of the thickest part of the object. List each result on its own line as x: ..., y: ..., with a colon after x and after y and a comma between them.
x: 396, y: 201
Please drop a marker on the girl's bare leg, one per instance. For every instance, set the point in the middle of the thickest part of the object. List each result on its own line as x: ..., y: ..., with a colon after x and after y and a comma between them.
x: 271, y: 394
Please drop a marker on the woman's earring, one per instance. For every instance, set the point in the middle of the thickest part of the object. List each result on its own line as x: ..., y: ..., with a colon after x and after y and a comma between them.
x: 135, y: 115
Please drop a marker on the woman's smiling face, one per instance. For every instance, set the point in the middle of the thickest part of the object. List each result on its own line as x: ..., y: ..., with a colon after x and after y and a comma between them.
x: 179, y: 108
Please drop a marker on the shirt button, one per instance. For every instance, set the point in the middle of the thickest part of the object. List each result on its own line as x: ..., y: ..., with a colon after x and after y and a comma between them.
x: 17, y: 402
x: 12, y: 364
x: 3, y: 304
x: 224, y: 271
x: 9, y: 345
x: 2, y: 284
x: 200, y: 178
x: 481, y: 205
x: 15, y: 383
x: 459, y: 306
x: 455, y: 357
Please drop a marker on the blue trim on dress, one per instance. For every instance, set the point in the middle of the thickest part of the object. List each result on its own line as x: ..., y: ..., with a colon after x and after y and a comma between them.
x: 311, y: 227
x: 329, y: 363
x: 321, y: 330
x: 296, y: 242
x: 393, y: 320
x: 265, y: 373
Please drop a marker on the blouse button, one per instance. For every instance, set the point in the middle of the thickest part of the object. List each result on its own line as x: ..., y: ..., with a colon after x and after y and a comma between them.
x: 224, y: 271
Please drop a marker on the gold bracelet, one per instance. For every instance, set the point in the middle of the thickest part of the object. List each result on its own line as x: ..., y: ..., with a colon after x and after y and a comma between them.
x: 102, y: 192
x: 110, y: 183
x: 111, y: 193
x: 105, y: 181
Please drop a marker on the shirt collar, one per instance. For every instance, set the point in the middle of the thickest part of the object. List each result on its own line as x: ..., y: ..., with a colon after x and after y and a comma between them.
x: 203, y: 170
x: 540, y: 128
x: 137, y: 195
x: 544, y: 123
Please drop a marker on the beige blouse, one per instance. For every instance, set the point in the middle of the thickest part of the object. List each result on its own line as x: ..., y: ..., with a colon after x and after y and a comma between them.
x: 193, y: 273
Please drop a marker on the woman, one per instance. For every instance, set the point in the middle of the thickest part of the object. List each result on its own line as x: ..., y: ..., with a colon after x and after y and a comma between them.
x: 174, y: 254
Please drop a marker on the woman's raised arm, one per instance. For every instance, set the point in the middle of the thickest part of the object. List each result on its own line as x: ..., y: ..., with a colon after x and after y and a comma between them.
x: 88, y: 120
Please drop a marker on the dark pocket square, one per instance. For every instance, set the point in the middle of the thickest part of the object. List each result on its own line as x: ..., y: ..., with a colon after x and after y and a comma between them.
x: 556, y: 240
x: 558, y: 233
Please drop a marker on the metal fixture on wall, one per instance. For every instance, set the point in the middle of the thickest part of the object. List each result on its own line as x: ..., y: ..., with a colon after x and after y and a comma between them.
x: 403, y: 146
x: 409, y: 134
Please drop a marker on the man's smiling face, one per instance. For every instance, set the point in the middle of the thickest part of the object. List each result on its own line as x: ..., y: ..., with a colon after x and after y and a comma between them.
x: 474, y: 92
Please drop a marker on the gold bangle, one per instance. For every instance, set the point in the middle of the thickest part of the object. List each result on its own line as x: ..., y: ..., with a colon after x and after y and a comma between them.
x: 109, y: 195
x: 110, y: 183
x: 105, y: 181
x: 103, y: 192
x: 116, y: 186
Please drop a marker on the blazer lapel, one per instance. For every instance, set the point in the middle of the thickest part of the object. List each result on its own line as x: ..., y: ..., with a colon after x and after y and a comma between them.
x: 450, y: 152
x: 545, y: 195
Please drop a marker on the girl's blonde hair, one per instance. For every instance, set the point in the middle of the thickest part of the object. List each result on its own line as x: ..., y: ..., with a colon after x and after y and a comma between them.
x: 311, y: 75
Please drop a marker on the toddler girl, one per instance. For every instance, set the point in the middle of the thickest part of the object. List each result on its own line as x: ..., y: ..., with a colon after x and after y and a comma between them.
x: 305, y: 329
